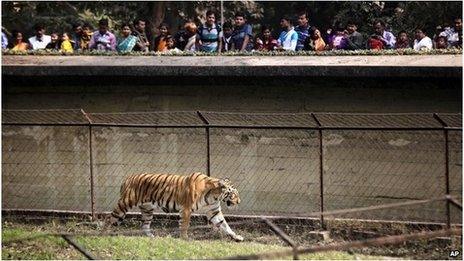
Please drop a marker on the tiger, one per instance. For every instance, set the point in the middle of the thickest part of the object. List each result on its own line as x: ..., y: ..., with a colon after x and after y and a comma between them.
x: 196, y: 192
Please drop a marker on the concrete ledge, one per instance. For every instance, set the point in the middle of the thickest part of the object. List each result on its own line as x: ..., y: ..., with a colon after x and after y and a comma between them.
x: 237, y: 66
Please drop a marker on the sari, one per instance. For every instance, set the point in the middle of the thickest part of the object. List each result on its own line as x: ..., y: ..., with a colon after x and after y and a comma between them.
x: 126, y: 44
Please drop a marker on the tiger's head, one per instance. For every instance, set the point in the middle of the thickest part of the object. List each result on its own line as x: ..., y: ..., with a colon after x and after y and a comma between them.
x: 229, y: 193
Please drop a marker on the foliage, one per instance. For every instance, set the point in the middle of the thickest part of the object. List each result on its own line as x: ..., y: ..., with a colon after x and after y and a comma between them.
x: 60, y: 15
x: 253, y: 53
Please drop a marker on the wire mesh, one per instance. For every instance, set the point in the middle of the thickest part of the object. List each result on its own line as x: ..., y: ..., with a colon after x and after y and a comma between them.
x: 275, y: 171
x: 260, y: 119
x: 120, y: 152
x: 43, y: 116
x: 455, y: 171
x: 148, y: 118
x: 404, y: 120
x: 45, y: 168
x: 451, y: 119
x: 364, y: 168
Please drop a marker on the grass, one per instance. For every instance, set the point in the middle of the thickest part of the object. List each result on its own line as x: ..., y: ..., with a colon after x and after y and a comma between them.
x: 121, y: 247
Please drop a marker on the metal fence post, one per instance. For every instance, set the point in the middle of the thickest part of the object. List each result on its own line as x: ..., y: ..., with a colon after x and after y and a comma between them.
x: 208, y: 148
x: 92, y: 180
x: 321, y: 171
x: 447, y: 185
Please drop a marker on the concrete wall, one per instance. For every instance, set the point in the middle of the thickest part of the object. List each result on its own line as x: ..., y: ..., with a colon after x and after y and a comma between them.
x: 296, y: 94
x: 276, y: 171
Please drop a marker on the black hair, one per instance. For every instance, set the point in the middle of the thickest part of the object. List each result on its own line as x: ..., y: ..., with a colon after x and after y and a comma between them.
x: 138, y: 20
x: 15, y: 33
x: 39, y: 27
x: 403, y: 32
x: 378, y: 21
x: 210, y: 12
x: 240, y: 14
x: 126, y: 24
x: 76, y: 24
x: 300, y: 13
x: 443, y: 37
x: 227, y: 25
x: 351, y: 23
x: 86, y: 25
x: 163, y: 25
x: 287, y: 18
x: 265, y: 27
x: 103, y: 22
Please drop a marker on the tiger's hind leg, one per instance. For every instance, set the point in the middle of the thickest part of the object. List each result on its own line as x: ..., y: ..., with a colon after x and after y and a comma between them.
x: 147, y: 216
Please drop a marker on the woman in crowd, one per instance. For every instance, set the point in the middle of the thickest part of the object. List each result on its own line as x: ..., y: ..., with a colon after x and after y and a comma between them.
x: 127, y: 41
x: 18, y: 44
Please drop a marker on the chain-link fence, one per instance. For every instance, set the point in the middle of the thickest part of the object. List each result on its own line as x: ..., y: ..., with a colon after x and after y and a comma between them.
x: 288, y: 165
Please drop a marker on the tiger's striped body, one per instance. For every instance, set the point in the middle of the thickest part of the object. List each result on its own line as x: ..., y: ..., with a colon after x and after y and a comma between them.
x: 174, y: 193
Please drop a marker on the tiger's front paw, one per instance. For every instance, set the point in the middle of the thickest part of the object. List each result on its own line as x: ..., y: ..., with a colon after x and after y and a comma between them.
x: 238, y: 238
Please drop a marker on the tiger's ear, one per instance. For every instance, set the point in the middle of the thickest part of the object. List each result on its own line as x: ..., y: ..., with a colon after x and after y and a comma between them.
x: 223, y: 182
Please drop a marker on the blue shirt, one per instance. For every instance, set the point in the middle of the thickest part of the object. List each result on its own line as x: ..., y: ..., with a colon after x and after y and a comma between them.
x: 303, y: 33
x: 288, y: 40
x: 238, y: 36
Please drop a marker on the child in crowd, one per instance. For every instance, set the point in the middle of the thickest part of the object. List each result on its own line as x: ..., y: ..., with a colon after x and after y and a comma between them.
x: 54, y: 43
x: 66, y: 44
x: 315, y: 42
x: 403, y: 41
x: 441, y: 42
x: 339, y: 41
x: 160, y: 40
x: 375, y: 42
x: 191, y: 35
x: 226, y: 37
x: 86, y: 35
x: 265, y: 41
x: 18, y: 43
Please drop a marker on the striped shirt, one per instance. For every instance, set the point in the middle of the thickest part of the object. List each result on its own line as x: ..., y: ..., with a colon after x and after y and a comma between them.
x: 209, y: 37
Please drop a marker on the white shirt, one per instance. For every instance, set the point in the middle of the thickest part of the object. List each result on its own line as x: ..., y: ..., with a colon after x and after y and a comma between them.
x: 36, y: 44
x: 424, y: 43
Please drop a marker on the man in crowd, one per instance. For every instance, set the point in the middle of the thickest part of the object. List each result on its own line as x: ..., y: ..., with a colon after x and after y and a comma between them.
x: 210, y: 34
x: 40, y: 40
x: 103, y: 39
x: 288, y: 37
x: 454, y: 34
x: 303, y: 29
x: 142, y: 44
x: 387, y: 38
x: 242, y: 37
x: 354, y: 39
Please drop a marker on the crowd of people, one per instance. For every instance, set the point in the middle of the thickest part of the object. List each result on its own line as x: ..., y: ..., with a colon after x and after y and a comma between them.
x: 212, y: 37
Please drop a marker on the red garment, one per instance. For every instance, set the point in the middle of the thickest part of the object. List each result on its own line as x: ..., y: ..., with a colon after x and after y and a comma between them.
x: 262, y: 45
x: 375, y: 44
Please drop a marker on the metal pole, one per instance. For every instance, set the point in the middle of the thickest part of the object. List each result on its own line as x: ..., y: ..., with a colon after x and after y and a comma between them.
x: 208, y: 147
x: 222, y: 14
x: 92, y: 180
x: 321, y: 171
x: 447, y: 187
x: 448, y: 211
